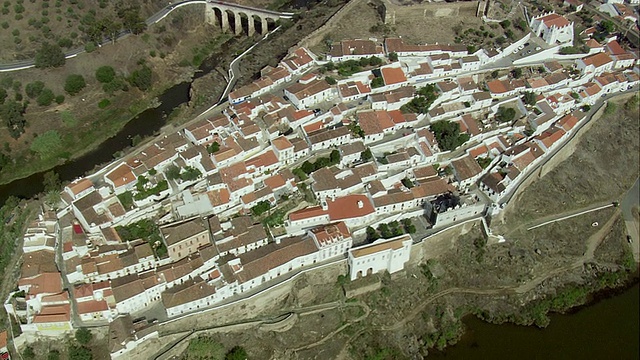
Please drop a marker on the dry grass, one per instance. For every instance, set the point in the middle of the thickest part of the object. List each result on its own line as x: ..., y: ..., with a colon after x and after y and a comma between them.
x: 602, y: 168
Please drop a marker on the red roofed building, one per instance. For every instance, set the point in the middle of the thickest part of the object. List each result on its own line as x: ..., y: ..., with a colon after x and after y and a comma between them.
x: 354, y: 210
x: 300, y: 60
x: 332, y: 240
x: 553, y: 28
x: 393, y: 77
x: 596, y: 63
x: 375, y: 124
x: 549, y: 138
x: 121, y: 178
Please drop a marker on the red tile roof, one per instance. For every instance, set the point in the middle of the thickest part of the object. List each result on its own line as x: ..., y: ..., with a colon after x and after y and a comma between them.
x: 597, y: 60
x: 393, y: 75
x: 554, y: 20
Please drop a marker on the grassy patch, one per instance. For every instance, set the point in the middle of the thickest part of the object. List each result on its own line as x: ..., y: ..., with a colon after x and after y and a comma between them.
x: 68, y: 119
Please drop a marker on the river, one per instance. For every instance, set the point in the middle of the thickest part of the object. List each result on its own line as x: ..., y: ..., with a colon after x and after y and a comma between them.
x: 147, y: 123
x: 606, y: 329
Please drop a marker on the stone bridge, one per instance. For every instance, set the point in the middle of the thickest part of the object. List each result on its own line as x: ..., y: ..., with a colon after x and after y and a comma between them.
x: 231, y: 16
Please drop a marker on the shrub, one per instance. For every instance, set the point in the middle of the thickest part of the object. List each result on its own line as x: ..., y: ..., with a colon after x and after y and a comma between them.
x: 104, y: 103
x: 105, y: 74
x: 505, y: 114
x: 59, y: 99
x: 47, y: 144
x: 45, y: 98
x: 34, y: 89
x: 83, y: 335
x: 74, y: 84
x: 330, y: 80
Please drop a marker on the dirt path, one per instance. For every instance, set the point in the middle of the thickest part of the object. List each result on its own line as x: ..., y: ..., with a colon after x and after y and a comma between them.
x: 367, y: 311
x: 548, y: 218
x: 591, y: 245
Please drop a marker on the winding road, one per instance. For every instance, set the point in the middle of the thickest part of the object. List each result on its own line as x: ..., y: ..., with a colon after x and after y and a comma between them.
x: 153, y: 19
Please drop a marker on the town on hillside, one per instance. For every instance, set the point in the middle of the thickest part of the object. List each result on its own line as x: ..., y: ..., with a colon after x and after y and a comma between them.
x: 353, y: 155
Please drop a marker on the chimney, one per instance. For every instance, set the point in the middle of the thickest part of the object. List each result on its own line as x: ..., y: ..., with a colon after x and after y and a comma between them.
x: 360, y: 204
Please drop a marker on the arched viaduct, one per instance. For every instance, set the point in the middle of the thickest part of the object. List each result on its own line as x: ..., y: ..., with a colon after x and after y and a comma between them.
x: 230, y: 16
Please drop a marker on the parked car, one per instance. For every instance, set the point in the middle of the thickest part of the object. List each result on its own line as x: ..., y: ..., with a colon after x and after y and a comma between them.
x: 538, y: 48
x: 520, y: 47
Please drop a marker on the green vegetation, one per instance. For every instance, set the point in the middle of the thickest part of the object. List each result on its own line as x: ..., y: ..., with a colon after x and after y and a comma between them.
x: 144, y: 192
x: 261, y: 208
x: 610, y: 109
x: 517, y: 73
x: 392, y: 229
x: 172, y: 172
x: 505, y: 114
x: 366, y: 155
x: 330, y: 80
x: 309, y: 167
x: 632, y: 104
x: 83, y: 335
x: 300, y: 174
x: 448, y: 135
x: 126, y: 199
x: 105, y: 74
x: 236, y: 353
x: 190, y: 174
x: 142, y: 78
x: 570, y: 50
x: 53, y: 355
x: 421, y: 104
x: 505, y: 24
x: 147, y: 230
x: 47, y: 144
x: 213, y: 148
x: 484, y: 162
x: 407, y: 183
x: 79, y: 353
x: 74, y: 84
x: 377, y: 82
x: 204, y: 348
x: 28, y: 353
x: 356, y: 130
x: 49, y: 56
x: 104, y: 103
x: 34, y: 89
x: 393, y: 57
x: 45, y: 98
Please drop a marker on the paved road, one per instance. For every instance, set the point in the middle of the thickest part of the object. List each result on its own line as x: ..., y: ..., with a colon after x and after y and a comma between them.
x: 26, y: 64
x: 630, y: 201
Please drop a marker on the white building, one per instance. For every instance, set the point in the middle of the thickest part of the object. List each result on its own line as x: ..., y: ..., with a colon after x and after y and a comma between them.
x: 553, y: 28
x: 389, y: 255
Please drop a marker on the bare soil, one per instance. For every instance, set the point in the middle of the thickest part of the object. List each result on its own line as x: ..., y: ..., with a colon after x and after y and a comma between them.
x: 599, y: 170
x: 49, y: 21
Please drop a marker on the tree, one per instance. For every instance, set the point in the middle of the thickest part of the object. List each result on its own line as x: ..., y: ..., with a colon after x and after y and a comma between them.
x: 53, y: 355
x: 495, y: 73
x: 172, y: 172
x: 236, y: 353
x: 334, y: 157
x: 261, y: 208
x: 34, y: 89
x: 330, y: 80
x: 407, y: 183
x: 505, y: 114
x: 74, y: 84
x: 448, y: 134
x: 12, y: 112
x: 375, y: 61
x: 45, y: 98
x: 141, y: 78
x: 49, y: 55
x: 307, y: 167
x: 105, y: 74
x: 393, y: 56
x: 372, y: 234
x: 213, y: 148
x: 84, y: 336
x: 505, y: 24
x: 529, y: 98
x: 366, y: 155
x: 517, y: 73
x: 28, y: 353
x: 79, y: 353
x: 377, y: 82
x: 385, y: 231
x: 51, y: 181
x: 607, y: 26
